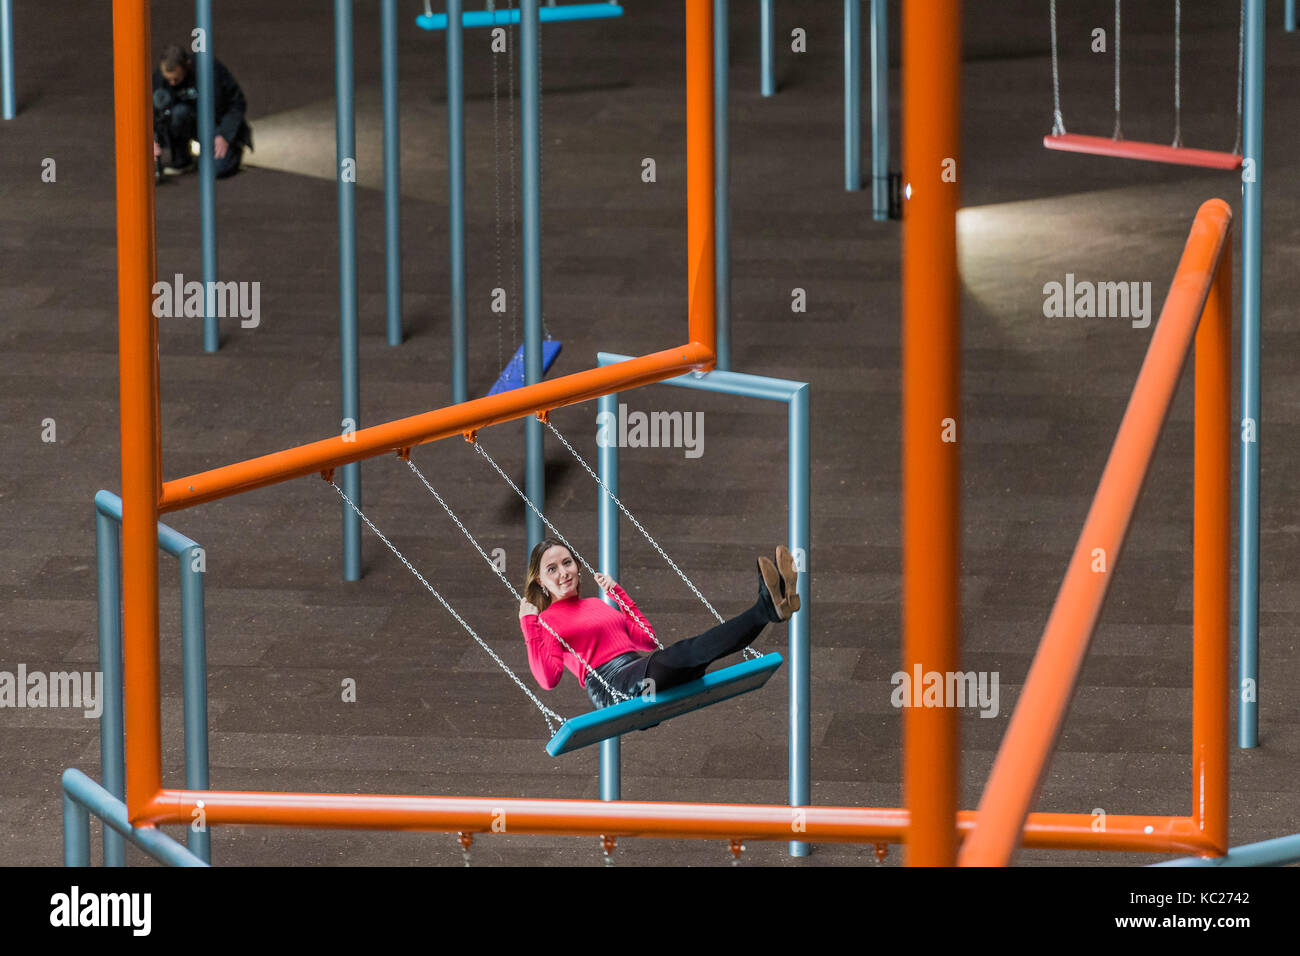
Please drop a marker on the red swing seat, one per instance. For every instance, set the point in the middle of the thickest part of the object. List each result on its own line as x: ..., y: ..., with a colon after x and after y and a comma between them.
x: 1132, y: 149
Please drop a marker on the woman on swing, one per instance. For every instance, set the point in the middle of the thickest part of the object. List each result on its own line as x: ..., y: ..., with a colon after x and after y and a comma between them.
x: 609, y: 638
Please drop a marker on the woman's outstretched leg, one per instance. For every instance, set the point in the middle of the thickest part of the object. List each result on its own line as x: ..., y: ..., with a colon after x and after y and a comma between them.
x: 688, y: 659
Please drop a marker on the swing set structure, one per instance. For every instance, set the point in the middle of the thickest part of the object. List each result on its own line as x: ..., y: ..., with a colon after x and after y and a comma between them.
x: 930, y: 824
x: 1116, y: 145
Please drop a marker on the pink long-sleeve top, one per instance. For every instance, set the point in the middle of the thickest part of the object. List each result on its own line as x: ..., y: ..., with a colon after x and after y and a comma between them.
x: 591, y: 627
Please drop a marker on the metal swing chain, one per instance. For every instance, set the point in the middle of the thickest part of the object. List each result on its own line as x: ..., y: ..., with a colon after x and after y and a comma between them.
x: 1178, y: 74
x: 614, y: 693
x: 512, y: 307
x: 547, y: 713
x: 496, y: 184
x: 541, y: 155
x: 556, y: 531
x: 1058, y: 122
x: 1241, y: 62
x: 1117, y: 133
x: 655, y: 544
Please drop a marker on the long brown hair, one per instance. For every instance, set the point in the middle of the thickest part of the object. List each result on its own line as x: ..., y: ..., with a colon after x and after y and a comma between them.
x: 535, y: 592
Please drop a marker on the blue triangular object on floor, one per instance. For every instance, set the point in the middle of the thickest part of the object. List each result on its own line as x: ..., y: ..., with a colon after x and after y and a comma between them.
x: 512, y: 376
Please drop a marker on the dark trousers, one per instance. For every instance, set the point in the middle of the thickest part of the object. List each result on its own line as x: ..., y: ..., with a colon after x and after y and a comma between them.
x: 183, y: 126
x: 684, y: 661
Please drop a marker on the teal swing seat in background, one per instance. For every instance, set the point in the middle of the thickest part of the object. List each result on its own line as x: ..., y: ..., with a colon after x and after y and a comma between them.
x: 552, y: 13
x: 642, y: 713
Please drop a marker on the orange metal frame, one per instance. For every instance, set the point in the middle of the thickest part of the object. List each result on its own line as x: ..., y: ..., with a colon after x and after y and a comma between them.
x: 1199, y: 305
x: 931, y: 825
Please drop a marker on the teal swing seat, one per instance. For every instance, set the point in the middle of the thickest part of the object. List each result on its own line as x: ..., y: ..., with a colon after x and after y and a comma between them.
x: 641, y: 713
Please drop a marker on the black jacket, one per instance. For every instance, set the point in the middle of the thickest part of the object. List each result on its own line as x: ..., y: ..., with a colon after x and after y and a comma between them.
x: 228, y: 104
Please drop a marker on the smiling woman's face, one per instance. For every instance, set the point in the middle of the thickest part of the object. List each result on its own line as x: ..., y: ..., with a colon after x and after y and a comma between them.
x: 559, y: 573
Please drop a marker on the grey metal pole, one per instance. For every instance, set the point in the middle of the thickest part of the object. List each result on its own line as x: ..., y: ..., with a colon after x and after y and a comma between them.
x: 1252, y: 432
x: 76, y: 833
x: 112, y: 758
x: 766, y: 21
x: 207, y: 175
x: 800, y: 426
x: 721, y: 180
x: 8, y: 99
x: 797, y: 397
x: 392, y: 173
x: 1290, y: 16
x: 456, y: 200
x: 611, y: 783
x: 879, y: 110
x: 530, y: 89
x: 195, y: 665
x: 852, y: 88
x: 345, y: 141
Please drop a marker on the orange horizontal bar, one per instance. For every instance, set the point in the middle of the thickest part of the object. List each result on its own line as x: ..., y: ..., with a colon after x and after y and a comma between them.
x: 431, y: 426
x: 1132, y: 149
x: 644, y: 819
x: 1040, y: 711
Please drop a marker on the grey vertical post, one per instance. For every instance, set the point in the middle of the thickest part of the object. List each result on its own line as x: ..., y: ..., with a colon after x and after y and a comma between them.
x: 345, y: 142
x: 195, y: 665
x: 611, y: 783
x: 1251, y: 263
x: 392, y: 173
x: 879, y: 109
x: 76, y: 833
x: 8, y: 100
x: 1290, y: 16
x: 207, y: 175
x: 456, y: 200
x: 112, y: 759
x: 530, y: 89
x: 765, y: 42
x: 721, y: 180
x: 801, y: 624
x: 852, y: 88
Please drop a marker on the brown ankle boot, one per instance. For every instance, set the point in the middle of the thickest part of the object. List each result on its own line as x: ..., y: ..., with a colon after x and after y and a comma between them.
x: 771, y: 589
x: 789, y: 573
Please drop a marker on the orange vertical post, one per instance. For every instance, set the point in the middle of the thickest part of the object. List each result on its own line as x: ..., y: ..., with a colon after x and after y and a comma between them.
x: 1211, y: 678
x: 700, y: 174
x: 931, y: 406
x: 138, y: 390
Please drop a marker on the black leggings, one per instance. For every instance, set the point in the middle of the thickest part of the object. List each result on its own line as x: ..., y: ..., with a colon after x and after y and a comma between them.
x: 682, y: 662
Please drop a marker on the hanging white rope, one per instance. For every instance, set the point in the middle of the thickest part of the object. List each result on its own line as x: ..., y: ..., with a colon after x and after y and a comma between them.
x: 1117, y: 133
x: 1241, y: 67
x: 1178, y: 74
x: 591, y: 671
x: 496, y: 191
x: 1058, y: 122
x: 640, y: 527
x: 547, y: 713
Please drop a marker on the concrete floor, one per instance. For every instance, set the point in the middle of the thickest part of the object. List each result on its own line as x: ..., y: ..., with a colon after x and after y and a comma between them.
x: 1043, y: 398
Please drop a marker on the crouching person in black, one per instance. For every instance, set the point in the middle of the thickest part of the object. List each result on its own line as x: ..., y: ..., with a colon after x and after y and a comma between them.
x: 176, y: 114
